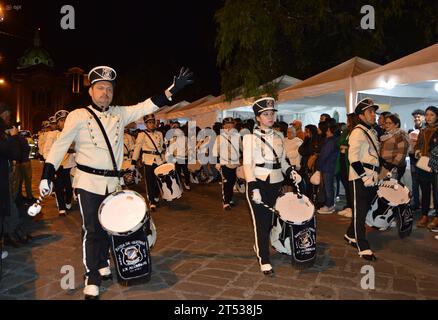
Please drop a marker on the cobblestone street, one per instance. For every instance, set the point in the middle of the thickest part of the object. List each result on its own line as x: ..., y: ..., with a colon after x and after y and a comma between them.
x: 203, y: 252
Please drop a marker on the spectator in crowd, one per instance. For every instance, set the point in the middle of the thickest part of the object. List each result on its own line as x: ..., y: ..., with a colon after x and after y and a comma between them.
x: 380, y: 126
x: 309, y: 151
x: 393, y: 148
x: 298, y: 126
x: 419, y: 124
x: 9, y: 152
x: 326, y: 163
x: 427, y: 140
x: 291, y: 145
x: 24, y: 170
x: 324, y: 117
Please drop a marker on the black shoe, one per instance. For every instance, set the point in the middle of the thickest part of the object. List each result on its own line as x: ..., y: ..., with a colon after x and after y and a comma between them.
x: 90, y: 297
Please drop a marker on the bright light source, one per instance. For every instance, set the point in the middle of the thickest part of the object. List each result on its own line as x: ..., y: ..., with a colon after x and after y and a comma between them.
x: 2, y: 81
x: 436, y: 86
x: 389, y: 84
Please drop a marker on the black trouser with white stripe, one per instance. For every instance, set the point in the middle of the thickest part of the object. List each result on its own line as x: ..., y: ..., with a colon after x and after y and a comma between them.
x: 262, y: 217
x: 63, y: 188
x: 182, y: 167
x: 228, y: 180
x: 362, y: 198
x: 152, y: 183
x: 95, y: 240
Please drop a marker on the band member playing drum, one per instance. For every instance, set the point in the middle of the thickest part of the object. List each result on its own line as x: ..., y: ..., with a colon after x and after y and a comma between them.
x: 150, y: 144
x: 95, y: 176
x: 363, y: 154
x: 177, y: 152
x: 227, y: 149
x: 264, y: 162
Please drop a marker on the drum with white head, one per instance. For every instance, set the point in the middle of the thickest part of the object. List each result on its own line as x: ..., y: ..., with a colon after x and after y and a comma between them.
x: 294, y: 232
x: 390, y: 195
x: 123, y: 212
x: 168, y: 181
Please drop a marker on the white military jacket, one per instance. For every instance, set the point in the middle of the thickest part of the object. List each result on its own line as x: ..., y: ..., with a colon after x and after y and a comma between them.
x: 177, y: 147
x: 361, y: 149
x: 91, y: 149
x: 128, y: 150
x: 228, y: 153
x: 145, y: 144
x: 257, y: 152
x: 49, y: 140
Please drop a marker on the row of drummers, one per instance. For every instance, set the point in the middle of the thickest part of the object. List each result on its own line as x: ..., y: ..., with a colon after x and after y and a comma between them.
x: 163, y: 162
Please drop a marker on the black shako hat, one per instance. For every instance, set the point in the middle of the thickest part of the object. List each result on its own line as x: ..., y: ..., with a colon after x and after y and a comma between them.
x: 102, y: 73
x: 263, y: 104
x: 364, y: 104
x: 228, y: 120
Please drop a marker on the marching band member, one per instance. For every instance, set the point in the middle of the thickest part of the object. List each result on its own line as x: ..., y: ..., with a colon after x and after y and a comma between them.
x: 264, y: 162
x: 363, y: 155
x: 62, y: 182
x: 128, y: 146
x: 227, y: 149
x: 150, y: 144
x: 95, y: 176
x: 176, y: 152
x: 42, y: 138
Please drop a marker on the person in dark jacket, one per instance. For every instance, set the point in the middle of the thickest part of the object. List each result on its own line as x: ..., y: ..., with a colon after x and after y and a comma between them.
x: 9, y: 151
x: 24, y: 170
x: 309, y: 151
x: 326, y: 163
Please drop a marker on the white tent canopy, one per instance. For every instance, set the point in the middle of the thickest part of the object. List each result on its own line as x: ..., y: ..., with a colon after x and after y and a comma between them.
x: 403, y: 85
x: 335, y: 80
x: 219, y: 104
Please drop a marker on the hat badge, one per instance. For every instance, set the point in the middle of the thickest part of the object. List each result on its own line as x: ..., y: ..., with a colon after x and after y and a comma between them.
x: 106, y: 74
x: 270, y: 104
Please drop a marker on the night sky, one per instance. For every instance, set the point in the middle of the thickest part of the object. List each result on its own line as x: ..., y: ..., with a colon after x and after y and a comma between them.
x: 160, y: 36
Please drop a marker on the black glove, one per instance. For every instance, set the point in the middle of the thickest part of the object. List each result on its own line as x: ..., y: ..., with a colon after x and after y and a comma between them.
x: 183, y: 79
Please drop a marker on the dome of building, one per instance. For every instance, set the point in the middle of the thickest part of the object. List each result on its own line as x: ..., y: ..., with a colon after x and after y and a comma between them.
x: 35, y: 56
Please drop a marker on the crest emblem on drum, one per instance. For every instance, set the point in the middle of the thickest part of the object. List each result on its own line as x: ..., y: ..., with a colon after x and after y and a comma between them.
x: 304, y: 239
x: 132, y: 255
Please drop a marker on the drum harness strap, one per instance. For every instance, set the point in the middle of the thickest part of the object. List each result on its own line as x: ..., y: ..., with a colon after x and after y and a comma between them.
x: 156, y: 152
x: 107, y: 173
x: 276, y: 164
x: 367, y: 165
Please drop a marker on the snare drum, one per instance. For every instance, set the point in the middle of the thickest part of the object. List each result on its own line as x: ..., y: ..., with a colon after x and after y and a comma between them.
x: 294, y: 232
x: 390, y: 195
x: 168, y: 181
x: 122, y: 212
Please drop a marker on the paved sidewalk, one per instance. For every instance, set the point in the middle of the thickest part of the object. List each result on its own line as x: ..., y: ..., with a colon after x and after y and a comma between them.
x: 203, y: 252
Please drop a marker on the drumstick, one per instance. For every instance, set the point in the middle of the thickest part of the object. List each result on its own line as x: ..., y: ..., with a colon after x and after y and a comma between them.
x: 148, y: 205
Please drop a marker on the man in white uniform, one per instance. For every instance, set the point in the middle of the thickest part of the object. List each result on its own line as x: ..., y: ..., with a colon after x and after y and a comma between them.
x: 95, y: 176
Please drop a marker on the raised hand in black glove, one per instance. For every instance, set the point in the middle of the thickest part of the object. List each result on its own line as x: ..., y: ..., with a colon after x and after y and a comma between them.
x: 180, y: 81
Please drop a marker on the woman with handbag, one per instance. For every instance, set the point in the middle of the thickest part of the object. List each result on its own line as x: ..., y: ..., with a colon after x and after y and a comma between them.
x: 309, y: 150
x: 393, y: 148
x: 427, y: 140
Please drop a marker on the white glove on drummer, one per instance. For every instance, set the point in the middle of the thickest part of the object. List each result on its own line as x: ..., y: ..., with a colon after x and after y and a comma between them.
x: 370, y: 180
x: 45, y: 188
x: 295, y: 177
x: 256, y: 196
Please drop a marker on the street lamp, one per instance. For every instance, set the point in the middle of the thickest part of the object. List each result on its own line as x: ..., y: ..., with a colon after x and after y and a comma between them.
x: 2, y: 14
x: 2, y: 81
